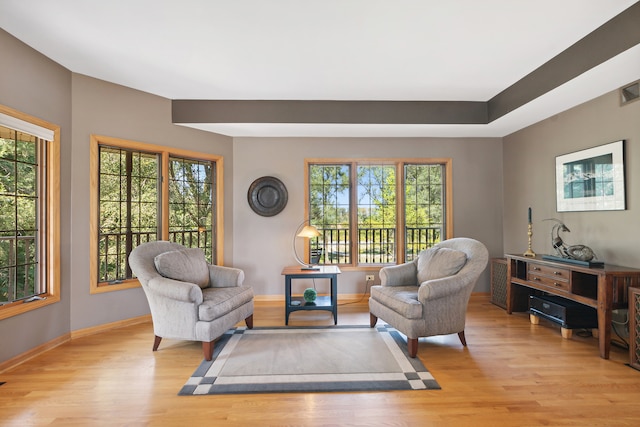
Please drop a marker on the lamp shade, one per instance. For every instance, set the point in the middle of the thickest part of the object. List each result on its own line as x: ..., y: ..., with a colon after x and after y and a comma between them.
x: 309, y: 231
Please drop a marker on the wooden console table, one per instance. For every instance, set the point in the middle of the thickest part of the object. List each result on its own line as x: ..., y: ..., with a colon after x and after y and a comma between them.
x: 605, y: 288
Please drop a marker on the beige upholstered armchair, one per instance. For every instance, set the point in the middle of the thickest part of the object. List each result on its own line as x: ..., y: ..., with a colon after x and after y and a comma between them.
x: 429, y: 295
x: 190, y: 299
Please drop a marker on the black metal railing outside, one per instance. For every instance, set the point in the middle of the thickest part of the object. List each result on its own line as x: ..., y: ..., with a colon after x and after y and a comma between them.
x: 17, y: 277
x: 375, y: 245
x: 418, y: 239
x: 113, y: 257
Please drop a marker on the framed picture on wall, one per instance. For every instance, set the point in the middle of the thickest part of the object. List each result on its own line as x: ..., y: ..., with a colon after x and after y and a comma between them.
x: 592, y: 179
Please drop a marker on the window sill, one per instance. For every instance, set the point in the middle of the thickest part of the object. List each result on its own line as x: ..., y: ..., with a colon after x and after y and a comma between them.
x: 21, y: 307
x: 103, y: 287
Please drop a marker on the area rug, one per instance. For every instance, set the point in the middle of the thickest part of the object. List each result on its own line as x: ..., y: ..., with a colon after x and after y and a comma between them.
x: 309, y: 359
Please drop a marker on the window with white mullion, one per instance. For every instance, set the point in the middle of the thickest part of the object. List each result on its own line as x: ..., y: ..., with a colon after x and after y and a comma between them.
x: 29, y: 213
x: 22, y: 167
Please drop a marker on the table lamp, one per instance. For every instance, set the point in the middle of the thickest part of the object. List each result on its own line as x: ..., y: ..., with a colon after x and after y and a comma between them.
x: 306, y: 232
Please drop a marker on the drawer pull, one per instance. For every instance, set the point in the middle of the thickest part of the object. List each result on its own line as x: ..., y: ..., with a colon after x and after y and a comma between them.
x: 557, y: 273
x: 557, y: 284
x: 536, y: 268
x: 537, y: 279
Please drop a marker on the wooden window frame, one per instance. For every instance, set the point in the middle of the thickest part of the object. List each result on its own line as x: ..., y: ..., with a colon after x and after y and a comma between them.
x: 51, y: 233
x: 399, y: 164
x: 164, y: 152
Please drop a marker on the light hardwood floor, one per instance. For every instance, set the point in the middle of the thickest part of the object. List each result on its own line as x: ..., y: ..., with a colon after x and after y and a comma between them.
x: 512, y: 373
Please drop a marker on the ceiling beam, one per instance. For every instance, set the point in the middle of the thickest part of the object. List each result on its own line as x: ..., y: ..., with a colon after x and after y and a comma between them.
x: 612, y: 38
x: 334, y: 112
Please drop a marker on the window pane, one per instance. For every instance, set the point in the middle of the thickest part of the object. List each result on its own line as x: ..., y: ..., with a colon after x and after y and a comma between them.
x: 376, y: 214
x: 7, y: 215
x: 191, y: 195
x: 128, y: 208
x: 7, y: 174
x: 329, y: 198
x: 7, y: 144
x: 19, y: 216
x: 424, y: 207
x: 26, y: 216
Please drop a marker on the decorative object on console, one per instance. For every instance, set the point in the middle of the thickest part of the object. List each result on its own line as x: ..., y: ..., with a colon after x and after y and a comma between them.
x: 267, y: 196
x: 592, y: 179
x: 529, y: 252
x: 565, y: 252
x: 306, y: 231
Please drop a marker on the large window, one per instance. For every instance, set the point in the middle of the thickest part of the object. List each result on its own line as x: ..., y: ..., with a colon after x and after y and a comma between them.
x: 192, y: 192
x: 128, y: 208
x: 378, y: 212
x: 145, y: 193
x: 29, y: 206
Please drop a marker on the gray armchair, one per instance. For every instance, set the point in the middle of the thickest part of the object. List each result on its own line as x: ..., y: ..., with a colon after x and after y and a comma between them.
x: 190, y: 299
x: 429, y: 295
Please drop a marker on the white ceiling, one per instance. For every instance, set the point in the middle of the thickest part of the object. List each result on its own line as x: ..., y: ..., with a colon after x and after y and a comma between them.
x: 431, y: 50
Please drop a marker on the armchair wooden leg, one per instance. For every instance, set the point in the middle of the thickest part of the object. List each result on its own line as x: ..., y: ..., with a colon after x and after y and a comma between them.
x: 207, y: 349
x: 462, y: 338
x: 372, y: 320
x: 156, y: 343
x: 249, y: 322
x: 412, y: 344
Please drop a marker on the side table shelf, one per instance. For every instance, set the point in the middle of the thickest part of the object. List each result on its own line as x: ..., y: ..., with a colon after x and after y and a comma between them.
x: 321, y: 301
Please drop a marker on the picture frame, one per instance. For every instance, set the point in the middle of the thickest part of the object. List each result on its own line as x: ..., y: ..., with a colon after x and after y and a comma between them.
x: 591, y: 179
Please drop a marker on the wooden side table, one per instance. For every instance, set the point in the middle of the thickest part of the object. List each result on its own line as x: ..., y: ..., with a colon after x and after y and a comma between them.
x: 329, y: 303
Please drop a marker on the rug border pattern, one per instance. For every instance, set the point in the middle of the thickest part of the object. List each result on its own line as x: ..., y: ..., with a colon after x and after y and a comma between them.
x: 415, y: 375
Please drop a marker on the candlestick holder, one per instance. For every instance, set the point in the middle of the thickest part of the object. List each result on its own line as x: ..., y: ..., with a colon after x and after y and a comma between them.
x: 529, y: 252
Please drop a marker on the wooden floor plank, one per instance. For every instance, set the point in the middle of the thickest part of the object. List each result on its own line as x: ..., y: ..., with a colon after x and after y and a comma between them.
x: 512, y: 373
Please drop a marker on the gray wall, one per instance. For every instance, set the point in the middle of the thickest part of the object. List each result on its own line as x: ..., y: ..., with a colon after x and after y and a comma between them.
x: 263, y: 245
x: 529, y: 180
x: 39, y: 87
x: 104, y: 108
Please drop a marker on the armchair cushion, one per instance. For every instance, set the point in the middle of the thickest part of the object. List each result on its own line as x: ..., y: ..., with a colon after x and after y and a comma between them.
x: 401, y: 299
x: 399, y: 275
x: 220, y: 301
x: 438, y: 262
x: 185, y: 265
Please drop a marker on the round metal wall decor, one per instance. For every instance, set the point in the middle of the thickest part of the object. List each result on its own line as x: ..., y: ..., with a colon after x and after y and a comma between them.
x: 267, y: 196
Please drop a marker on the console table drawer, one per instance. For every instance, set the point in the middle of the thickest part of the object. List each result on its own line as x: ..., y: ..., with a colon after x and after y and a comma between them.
x: 549, y: 271
x: 557, y: 283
